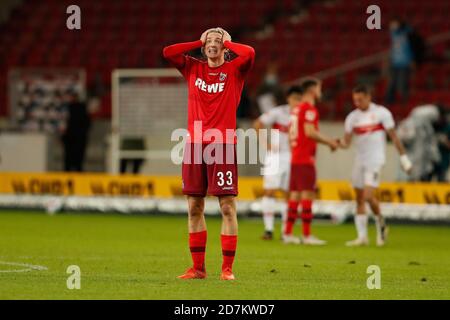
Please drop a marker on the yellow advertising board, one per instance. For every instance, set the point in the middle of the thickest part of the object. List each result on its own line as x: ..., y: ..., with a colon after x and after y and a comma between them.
x: 250, y: 188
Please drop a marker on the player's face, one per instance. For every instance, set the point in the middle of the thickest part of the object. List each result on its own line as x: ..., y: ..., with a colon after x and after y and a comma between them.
x: 361, y: 100
x: 394, y: 25
x: 294, y: 99
x: 214, y: 46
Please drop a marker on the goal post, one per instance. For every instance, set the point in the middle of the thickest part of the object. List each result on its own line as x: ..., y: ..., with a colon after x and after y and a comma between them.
x: 146, y: 104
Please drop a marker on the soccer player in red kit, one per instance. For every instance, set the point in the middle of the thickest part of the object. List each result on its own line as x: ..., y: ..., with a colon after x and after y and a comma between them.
x: 304, y: 135
x: 214, y: 85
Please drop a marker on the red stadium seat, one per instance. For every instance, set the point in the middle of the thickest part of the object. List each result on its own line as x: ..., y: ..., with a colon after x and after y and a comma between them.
x: 132, y: 33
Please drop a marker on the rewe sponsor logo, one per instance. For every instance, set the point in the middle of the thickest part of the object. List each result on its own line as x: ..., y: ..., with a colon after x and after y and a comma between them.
x: 210, y: 88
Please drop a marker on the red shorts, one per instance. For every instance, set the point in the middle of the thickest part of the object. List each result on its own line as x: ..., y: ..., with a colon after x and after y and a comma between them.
x: 303, y: 177
x: 210, y: 169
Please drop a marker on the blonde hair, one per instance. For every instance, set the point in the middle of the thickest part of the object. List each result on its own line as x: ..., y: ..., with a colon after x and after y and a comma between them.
x: 217, y: 30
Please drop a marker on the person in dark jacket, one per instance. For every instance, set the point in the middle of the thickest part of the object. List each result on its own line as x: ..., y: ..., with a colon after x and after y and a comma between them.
x: 75, y: 136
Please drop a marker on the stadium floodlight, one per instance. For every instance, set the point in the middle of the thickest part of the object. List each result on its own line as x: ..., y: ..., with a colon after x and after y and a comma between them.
x: 147, y: 104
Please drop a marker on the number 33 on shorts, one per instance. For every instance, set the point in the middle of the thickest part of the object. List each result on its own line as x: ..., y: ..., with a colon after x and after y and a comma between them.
x: 224, y: 178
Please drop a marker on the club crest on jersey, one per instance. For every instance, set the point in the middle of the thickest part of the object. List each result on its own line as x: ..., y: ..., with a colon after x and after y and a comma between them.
x: 222, y: 76
x: 310, y: 115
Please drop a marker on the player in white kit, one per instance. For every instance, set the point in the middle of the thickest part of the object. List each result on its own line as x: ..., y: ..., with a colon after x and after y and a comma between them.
x: 368, y: 124
x: 277, y: 162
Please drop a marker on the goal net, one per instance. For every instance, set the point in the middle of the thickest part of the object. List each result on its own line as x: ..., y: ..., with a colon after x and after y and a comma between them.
x: 147, y: 105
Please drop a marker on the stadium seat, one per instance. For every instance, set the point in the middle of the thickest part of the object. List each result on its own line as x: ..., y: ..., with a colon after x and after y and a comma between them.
x: 120, y: 34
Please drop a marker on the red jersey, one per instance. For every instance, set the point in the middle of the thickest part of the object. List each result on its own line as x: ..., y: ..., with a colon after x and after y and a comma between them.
x: 303, y: 149
x: 214, y: 92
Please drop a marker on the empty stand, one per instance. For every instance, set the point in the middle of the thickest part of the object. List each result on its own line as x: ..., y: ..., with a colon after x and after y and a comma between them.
x: 132, y: 34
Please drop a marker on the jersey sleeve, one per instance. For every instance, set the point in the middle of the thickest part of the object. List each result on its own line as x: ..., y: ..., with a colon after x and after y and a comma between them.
x: 176, y: 55
x: 268, y: 118
x: 186, y: 69
x: 386, y: 119
x: 246, y: 56
x: 348, y: 126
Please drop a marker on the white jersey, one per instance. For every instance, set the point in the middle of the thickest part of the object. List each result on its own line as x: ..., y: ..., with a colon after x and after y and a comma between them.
x: 278, y: 118
x: 276, y: 171
x: 369, y: 128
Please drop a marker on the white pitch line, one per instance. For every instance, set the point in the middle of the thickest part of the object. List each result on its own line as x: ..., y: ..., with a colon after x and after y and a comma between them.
x: 27, y: 267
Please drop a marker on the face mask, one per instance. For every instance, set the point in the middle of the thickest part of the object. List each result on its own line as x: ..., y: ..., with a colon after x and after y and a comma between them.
x: 271, y: 79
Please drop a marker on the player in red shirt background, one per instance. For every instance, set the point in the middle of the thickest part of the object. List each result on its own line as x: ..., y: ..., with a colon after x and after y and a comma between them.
x: 214, y: 91
x: 304, y: 135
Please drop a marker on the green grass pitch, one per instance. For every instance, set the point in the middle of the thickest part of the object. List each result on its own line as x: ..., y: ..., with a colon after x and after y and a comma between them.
x: 139, y: 257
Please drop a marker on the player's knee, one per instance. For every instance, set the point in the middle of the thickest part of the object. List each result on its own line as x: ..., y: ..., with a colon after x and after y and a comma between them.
x: 228, y: 210
x: 196, y: 209
x: 370, y: 198
x: 294, y: 196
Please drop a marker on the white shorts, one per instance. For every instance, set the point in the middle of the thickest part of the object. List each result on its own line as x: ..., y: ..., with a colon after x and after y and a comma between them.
x: 365, y: 176
x: 276, y: 171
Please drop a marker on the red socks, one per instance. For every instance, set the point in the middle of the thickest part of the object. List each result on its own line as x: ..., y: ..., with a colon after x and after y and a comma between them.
x: 291, y: 216
x: 197, y: 245
x: 306, y: 217
x: 228, y: 250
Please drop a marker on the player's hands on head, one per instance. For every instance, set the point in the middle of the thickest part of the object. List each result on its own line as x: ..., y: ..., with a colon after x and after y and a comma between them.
x: 204, y: 34
x: 226, y: 35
